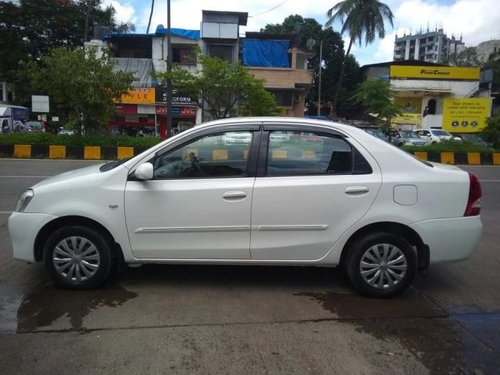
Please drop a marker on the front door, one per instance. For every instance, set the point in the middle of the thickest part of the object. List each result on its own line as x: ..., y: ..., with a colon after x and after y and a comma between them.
x: 198, y: 204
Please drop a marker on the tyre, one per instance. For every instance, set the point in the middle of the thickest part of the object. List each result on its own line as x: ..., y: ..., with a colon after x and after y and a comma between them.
x: 381, y: 265
x: 78, y: 257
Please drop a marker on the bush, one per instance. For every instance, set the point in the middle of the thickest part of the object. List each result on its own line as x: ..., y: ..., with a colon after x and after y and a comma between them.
x: 492, y: 132
x: 76, y: 140
x: 449, y: 146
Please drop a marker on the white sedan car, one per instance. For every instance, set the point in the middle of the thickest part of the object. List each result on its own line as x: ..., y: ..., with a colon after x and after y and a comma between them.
x: 324, y: 195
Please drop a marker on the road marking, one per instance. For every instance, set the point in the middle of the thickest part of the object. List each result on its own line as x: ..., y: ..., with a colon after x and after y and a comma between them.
x: 25, y: 176
x: 5, y: 212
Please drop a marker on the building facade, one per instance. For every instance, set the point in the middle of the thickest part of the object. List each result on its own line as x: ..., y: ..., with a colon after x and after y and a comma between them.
x: 435, y: 96
x: 143, y: 110
x: 432, y: 46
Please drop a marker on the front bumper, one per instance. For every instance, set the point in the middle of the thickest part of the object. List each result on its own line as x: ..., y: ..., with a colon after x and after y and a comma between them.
x: 450, y: 239
x: 23, y: 229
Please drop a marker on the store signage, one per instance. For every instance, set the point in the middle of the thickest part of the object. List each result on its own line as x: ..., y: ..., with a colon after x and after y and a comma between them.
x: 188, y: 111
x: 139, y: 95
x: 408, y: 119
x: 126, y: 109
x: 177, y: 97
x: 434, y: 73
x: 465, y: 115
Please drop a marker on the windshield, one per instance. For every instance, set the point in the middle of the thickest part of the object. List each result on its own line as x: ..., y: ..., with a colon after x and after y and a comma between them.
x: 409, y: 134
x: 441, y: 133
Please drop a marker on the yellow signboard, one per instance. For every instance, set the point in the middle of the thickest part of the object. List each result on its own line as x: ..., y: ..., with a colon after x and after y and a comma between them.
x: 139, y: 95
x: 408, y: 119
x: 465, y: 115
x: 434, y: 72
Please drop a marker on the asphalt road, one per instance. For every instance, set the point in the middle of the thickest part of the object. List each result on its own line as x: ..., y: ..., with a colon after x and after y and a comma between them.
x: 247, y: 320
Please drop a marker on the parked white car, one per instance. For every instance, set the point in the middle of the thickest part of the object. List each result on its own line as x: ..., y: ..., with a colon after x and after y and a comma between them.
x: 325, y: 195
x: 434, y: 135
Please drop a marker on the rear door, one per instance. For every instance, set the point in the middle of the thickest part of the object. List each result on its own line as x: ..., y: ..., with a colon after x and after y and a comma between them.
x: 310, y: 187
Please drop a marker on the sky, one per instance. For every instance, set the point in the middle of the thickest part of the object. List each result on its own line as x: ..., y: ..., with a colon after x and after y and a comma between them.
x: 475, y: 21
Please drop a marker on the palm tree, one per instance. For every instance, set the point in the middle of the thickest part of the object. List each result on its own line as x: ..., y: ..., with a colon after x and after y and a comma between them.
x: 361, y: 20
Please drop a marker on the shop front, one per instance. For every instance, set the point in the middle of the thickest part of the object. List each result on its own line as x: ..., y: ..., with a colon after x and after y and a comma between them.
x: 143, y: 112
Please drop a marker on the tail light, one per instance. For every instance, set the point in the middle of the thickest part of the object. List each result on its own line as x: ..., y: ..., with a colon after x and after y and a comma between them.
x: 474, y: 203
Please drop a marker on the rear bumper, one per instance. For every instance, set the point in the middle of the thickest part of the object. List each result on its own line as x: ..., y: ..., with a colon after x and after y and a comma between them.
x: 450, y: 239
x: 23, y: 229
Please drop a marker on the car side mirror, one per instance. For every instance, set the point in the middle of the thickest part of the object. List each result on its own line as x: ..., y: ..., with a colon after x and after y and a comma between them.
x: 144, y: 172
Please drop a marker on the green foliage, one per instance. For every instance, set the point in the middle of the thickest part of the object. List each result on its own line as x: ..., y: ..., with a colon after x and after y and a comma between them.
x: 227, y: 89
x: 362, y: 21
x: 466, y: 57
x: 306, y: 29
x: 82, y: 87
x: 491, y: 132
x: 449, y: 146
x: 375, y: 96
x: 303, y: 29
x: 75, y: 140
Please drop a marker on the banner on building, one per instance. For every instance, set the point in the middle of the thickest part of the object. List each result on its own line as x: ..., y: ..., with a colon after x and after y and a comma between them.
x: 139, y: 95
x: 434, y: 72
x: 414, y: 119
x: 178, y: 98
x: 465, y: 115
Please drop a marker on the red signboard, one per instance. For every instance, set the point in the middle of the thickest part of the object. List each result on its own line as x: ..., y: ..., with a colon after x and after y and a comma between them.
x: 188, y: 111
x: 126, y: 109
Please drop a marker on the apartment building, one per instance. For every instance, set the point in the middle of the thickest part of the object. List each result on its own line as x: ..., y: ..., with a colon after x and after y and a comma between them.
x: 431, y: 46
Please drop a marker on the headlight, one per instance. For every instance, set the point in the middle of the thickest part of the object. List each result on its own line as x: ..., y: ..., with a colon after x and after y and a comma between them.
x: 23, y: 201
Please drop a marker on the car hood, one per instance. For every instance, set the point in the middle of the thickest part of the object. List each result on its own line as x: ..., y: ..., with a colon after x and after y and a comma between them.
x: 77, y: 173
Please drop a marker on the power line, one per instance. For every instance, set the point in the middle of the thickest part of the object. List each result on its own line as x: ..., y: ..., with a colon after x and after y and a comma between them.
x: 269, y: 10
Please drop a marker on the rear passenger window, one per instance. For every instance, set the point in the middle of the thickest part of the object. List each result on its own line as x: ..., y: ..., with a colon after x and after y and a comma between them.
x: 294, y: 153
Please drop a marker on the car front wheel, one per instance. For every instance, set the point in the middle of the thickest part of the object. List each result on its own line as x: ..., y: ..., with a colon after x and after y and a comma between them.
x: 78, y: 257
x: 381, y: 265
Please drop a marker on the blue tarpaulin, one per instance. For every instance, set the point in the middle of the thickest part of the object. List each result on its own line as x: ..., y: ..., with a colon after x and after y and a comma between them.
x: 189, y: 34
x: 268, y: 53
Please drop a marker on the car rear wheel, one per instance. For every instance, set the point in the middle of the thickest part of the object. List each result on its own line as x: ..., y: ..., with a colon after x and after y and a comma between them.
x: 381, y: 265
x: 78, y: 257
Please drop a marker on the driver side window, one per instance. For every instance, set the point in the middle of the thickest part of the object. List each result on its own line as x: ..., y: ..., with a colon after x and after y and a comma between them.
x: 218, y: 155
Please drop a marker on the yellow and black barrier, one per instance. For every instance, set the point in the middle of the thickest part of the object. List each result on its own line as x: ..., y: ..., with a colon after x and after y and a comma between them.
x: 120, y: 152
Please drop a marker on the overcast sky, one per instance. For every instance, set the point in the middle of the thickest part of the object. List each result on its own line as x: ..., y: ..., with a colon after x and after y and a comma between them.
x: 475, y: 20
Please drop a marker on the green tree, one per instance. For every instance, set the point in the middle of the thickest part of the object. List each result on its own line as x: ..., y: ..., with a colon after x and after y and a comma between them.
x: 491, y: 133
x: 226, y: 89
x: 466, y: 57
x: 375, y: 97
x: 306, y: 30
x: 81, y: 86
x: 362, y: 20
x: 13, y: 48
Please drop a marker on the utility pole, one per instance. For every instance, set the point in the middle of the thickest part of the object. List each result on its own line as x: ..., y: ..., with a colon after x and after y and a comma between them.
x: 169, y: 71
x: 319, y: 76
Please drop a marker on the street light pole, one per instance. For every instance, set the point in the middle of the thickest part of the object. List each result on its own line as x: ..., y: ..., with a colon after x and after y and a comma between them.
x: 319, y: 76
x: 169, y: 71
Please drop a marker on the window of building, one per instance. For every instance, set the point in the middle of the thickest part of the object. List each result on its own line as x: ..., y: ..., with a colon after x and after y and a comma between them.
x: 213, y: 156
x: 295, y: 153
x: 284, y: 98
x: 183, y: 55
x: 222, y: 51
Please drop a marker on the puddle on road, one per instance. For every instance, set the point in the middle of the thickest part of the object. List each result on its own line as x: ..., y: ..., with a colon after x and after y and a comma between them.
x: 47, y: 303
x: 420, y: 327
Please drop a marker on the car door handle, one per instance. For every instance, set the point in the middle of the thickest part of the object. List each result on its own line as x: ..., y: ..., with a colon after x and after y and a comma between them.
x: 234, y: 195
x: 356, y: 190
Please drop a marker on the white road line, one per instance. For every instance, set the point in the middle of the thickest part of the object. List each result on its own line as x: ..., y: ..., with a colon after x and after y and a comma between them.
x: 5, y: 212
x: 25, y: 176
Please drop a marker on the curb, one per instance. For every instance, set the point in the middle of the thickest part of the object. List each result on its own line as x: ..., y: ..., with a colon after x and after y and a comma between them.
x: 120, y: 152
